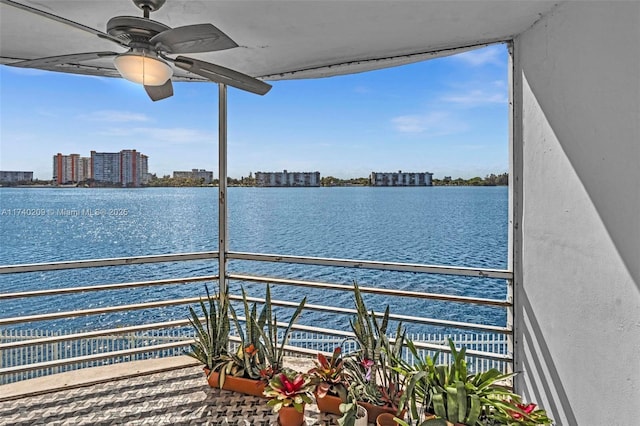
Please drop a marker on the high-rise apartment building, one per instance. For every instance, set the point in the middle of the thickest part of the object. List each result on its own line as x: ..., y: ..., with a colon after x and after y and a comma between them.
x: 401, y: 179
x: 143, y: 168
x: 71, y: 168
x: 127, y: 167
x: 105, y: 167
x: 285, y: 178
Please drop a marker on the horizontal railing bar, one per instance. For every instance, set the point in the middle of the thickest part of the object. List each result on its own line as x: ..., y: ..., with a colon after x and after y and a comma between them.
x: 370, y: 264
x: 373, y: 290
x: 118, y: 261
x: 286, y: 347
x: 93, y: 357
x: 174, y: 302
x: 130, y: 329
x: 395, y: 317
x: 102, y: 287
x: 97, y: 311
x: 143, y: 327
x: 92, y: 334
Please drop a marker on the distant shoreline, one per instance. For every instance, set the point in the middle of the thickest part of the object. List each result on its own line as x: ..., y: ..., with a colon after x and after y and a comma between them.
x: 235, y: 186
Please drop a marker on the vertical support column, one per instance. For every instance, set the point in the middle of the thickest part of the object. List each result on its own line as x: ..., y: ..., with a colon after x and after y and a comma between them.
x: 514, y: 313
x: 223, y: 243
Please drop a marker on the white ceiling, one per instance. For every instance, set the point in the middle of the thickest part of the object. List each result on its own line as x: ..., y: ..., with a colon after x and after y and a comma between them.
x: 278, y: 39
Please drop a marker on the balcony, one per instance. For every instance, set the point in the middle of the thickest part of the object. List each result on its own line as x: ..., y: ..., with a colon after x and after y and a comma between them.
x: 574, y: 274
x: 163, y: 387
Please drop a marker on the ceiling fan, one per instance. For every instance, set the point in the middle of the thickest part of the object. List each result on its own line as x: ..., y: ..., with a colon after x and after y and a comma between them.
x: 149, y: 42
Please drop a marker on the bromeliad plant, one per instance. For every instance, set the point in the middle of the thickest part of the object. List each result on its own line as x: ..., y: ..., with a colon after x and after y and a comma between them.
x: 289, y: 389
x: 329, y: 375
x: 212, y: 334
x: 522, y: 415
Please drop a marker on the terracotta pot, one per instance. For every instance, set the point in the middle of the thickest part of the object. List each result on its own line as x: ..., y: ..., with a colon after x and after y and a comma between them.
x: 386, y: 419
x: 237, y: 384
x: 329, y: 404
x: 289, y: 416
x: 375, y: 410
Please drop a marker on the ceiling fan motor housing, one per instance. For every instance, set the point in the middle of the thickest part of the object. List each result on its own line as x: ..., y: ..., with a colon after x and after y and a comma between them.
x: 134, y: 29
x: 150, y: 5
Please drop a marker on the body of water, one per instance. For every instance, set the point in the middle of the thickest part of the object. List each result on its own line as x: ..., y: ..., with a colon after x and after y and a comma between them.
x: 461, y: 226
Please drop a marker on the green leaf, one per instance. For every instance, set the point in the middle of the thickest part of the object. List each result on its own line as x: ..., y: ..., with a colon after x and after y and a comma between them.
x: 439, y: 408
x: 462, y: 401
x: 452, y: 403
x: 474, y: 410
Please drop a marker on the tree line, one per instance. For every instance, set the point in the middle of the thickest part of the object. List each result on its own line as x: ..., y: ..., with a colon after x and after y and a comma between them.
x: 168, y: 181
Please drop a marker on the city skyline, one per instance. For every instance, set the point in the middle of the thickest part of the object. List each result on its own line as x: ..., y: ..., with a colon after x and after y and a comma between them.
x: 448, y: 116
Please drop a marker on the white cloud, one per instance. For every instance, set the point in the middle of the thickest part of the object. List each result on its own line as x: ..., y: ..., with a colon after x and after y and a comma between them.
x: 476, y: 98
x: 436, y: 123
x: 112, y: 116
x: 487, y: 55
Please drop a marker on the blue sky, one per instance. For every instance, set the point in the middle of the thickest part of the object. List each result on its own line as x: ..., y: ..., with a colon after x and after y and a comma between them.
x: 448, y: 116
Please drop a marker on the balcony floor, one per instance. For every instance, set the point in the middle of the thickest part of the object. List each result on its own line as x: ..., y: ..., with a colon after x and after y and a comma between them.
x: 176, y: 397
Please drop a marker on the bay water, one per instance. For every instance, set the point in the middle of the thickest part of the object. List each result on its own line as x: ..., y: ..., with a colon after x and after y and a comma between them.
x: 460, y: 226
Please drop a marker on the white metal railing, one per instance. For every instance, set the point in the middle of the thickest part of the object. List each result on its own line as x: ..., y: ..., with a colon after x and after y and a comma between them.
x: 488, y: 353
x: 372, y: 264
x: 59, y: 351
x: 117, y: 261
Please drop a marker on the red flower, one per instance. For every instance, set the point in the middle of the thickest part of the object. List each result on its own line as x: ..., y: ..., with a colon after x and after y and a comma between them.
x: 527, y: 408
x: 251, y: 349
x: 291, y: 388
x: 367, y: 364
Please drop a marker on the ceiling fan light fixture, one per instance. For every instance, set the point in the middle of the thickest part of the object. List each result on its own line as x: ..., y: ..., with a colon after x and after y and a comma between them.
x: 143, y: 67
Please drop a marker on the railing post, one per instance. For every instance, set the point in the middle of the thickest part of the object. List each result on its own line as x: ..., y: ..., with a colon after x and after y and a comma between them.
x: 223, y: 243
x: 514, y: 264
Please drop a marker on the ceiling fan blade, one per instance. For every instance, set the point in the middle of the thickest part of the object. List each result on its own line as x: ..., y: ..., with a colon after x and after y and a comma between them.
x: 223, y: 75
x: 52, y: 61
x: 157, y: 93
x: 192, y: 39
x: 63, y: 21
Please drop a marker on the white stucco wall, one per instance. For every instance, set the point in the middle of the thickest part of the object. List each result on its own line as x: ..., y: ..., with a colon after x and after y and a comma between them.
x: 577, y: 316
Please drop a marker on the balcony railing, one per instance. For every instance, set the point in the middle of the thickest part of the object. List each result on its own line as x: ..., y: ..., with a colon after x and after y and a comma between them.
x: 25, y: 355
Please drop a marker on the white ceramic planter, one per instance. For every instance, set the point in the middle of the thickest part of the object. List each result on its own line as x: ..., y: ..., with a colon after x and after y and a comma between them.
x: 362, y: 419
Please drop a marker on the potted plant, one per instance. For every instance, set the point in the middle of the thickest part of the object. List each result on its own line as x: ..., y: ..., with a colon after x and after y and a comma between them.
x: 524, y: 415
x: 212, y: 334
x: 377, y: 385
x: 288, y: 392
x: 274, y: 349
x: 448, y: 394
x: 331, y: 383
x: 353, y: 414
x: 259, y: 355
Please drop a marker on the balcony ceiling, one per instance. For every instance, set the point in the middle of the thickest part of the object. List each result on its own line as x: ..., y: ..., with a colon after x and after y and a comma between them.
x: 278, y: 39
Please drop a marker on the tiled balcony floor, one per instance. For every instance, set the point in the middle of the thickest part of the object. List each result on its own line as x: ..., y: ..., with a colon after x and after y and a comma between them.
x: 177, y: 397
